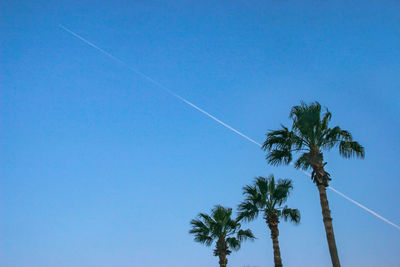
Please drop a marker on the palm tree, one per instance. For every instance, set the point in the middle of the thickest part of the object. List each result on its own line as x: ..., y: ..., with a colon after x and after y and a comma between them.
x: 309, y: 137
x: 268, y: 197
x: 222, y: 229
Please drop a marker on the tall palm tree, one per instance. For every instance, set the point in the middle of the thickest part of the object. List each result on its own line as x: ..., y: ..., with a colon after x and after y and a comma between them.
x: 221, y: 228
x: 267, y: 196
x: 309, y: 136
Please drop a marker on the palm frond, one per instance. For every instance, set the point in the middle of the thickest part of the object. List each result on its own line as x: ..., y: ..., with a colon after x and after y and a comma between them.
x: 220, y: 213
x: 250, y: 191
x: 333, y: 136
x: 208, y: 221
x: 303, y: 162
x: 261, y: 184
x: 277, y: 139
x: 245, y: 234
x: 306, y: 119
x: 326, y: 119
x: 248, y: 211
x: 282, y: 191
x: 201, y: 232
x: 347, y: 147
x: 199, y: 226
x: 277, y: 157
x: 351, y: 149
x: 204, y: 239
x: 233, y: 243
x: 292, y: 215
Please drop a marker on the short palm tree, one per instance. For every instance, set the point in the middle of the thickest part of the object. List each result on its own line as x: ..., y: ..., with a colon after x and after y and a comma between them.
x: 221, y: 228
x: 309, y: 136
x: 267, y: 196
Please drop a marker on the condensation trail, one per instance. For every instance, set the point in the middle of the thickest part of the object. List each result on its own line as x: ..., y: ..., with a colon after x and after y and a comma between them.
x: 363, y: 207
x: 356, y: 203
x: 159, y: 85
x: 210, y: 116
x: 217, y: 120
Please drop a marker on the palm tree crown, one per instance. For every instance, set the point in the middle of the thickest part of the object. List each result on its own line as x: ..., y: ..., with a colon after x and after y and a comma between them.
x: 309, y: 136
x: 219, y: 227
x: 268, y: 196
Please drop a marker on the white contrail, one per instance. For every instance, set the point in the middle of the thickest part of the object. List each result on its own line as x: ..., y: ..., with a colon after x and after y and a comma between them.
x: 357, y: 203
x: 209, y: 115
x: 363, y: 207
x: 217, y: 120
x: 159, y: 85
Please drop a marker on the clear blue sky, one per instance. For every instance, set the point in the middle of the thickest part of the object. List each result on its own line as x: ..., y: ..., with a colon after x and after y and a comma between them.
x: 99, y: 167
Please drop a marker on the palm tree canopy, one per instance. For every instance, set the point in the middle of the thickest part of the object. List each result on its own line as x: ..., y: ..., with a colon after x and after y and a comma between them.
x: 267, y: 196
x: 309, y: 136
x: 208, y: 229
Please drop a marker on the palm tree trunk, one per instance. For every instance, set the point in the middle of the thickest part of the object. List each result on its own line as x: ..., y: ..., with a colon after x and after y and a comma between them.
x: 223, y: 261
x: 275, y: 245
x: 330, y: 236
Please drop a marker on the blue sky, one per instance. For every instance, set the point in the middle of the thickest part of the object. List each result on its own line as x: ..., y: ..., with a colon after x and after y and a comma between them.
x: 99, y: 167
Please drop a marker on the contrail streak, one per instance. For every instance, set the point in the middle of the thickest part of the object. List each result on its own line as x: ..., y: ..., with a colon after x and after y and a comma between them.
x: 363, y: 207
x: 356, y: 203
x: 217, y: 120
x: 209, y: 115
x: 159, y: 85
